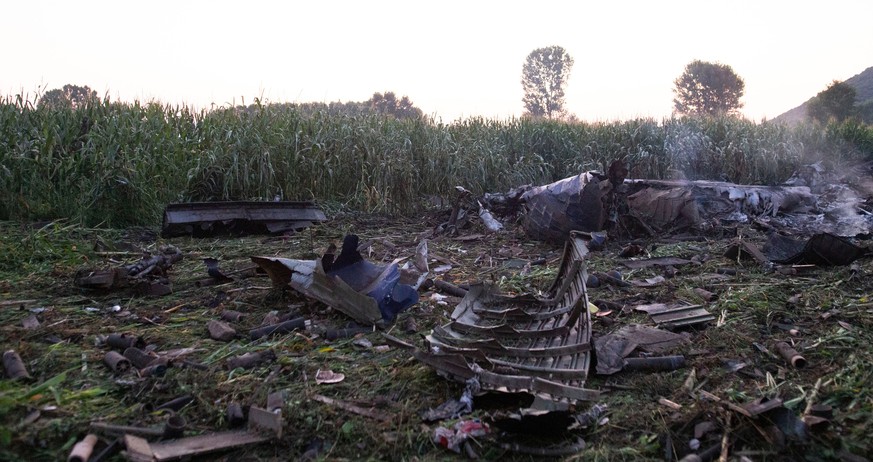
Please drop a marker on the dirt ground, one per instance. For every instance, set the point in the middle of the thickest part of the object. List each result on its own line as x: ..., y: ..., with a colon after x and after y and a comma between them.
x: 824, y: 312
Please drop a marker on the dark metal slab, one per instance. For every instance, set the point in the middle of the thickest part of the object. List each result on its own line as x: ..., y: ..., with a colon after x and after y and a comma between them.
x: 238, y: 217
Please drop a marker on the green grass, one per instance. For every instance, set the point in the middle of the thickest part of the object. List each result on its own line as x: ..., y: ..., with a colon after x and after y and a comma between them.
x: 118, y: 164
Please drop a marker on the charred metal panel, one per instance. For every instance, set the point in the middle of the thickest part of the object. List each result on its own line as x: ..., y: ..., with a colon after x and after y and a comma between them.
x: 238, y: 217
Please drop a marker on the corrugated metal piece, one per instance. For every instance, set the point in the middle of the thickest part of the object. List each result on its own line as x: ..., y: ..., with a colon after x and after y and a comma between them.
x: 522, y: 343
x: 238, y: 217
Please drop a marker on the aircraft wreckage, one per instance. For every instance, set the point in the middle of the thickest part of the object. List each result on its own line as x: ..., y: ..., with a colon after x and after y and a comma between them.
x: 811, y: 202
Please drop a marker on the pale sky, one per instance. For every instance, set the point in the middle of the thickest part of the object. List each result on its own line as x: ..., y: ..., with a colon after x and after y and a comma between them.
x: 452, y: 58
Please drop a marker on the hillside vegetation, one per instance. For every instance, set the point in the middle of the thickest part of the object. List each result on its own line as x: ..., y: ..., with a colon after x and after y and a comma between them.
x: 119, y: 164
x: 863, y: 85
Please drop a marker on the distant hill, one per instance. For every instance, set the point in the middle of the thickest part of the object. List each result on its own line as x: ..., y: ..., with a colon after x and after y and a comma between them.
x: 863, y: 84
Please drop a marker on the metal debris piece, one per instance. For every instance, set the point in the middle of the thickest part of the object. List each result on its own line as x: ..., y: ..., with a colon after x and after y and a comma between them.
x: 203, y: 219
x: 592, y: 201
x: 790, y: 355
x: 263, y: 426
x: 308, y: 278
x: 123, y: 341
x: 328, y: 376
x: 145, y: 276
x: 14, y: 366
x: 139, y: 358
x: 657, y: 261
x: 81, y: 452
x: 278, y: 328
x: 762, y: 405
x: 232, y: 315
x: 670, y: 316
x: 523, y: 343
x: 744, y: 250
x: 488, y: 219
x: 353, y: 408
x: 369, y: 293
x: 576, y: 203
x: 30, y: 322
x: 118, y: 363
x: 821, y: 249
x: 250, y: 360
x: 214, y: 271
x: 651, y: 339
x: 220, y: 331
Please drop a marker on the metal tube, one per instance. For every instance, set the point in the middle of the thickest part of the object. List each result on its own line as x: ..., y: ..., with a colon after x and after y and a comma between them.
x: 280, y: 328
x: 118, y: 363
x: 82, y: 450
x: 791, y: 355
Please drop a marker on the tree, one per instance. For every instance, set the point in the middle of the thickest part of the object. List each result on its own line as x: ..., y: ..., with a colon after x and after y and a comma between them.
x: 708, y: 89
x: 71, y: 96
x: 388, y: 104
x: 836, y: 102
x: 543, y: 78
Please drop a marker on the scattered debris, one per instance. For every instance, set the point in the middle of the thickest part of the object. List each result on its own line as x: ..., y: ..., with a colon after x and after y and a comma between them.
x: 147, y: 276
x: 820, y: 249
x: 263, y: 426
x: 279, y: 328
x: 455, y: 438
x: 328, y: 376
x: 14, y: 366
x: 118, y: 363
x: 672, y: 316
x: 30, y: 322
x: 368, y: 293
x: 220, y: 331
x: 204, y: 219
x: 81, y: 452
x: 251, y: 359
x: 658, y: 261
x: 790, y: 354
x: 613, y: 348
x: 521, y: 343
x: 353, y: 408
x: 455, y: 407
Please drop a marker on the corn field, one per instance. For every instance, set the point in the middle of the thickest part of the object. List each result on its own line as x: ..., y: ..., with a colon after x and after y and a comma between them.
x: 118, y: 164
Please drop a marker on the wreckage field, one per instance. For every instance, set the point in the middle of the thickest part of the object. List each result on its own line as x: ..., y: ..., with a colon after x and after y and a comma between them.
x: 362, y: 337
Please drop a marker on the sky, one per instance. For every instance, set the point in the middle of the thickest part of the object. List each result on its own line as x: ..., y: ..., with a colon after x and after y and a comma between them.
x: 453, y: 59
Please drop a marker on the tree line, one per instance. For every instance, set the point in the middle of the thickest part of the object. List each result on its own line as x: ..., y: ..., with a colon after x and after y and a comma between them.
x: 703, y: 89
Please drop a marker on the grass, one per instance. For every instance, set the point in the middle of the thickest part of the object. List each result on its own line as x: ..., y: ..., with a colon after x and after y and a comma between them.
x: 72, y: 387
x: 118, y: 164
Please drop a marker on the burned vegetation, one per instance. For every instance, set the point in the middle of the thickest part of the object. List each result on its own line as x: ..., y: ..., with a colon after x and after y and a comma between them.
x: 596, y: 318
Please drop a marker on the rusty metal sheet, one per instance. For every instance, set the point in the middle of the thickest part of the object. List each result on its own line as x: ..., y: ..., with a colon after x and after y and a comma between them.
x: 524, y: 343
x: 238, y: 217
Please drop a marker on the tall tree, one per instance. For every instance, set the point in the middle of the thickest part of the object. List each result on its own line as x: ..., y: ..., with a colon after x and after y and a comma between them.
x: 708, y: 89
x: 71, y: 95
x: 543, y: 78
x: 388, y: 103
x: 836, y: 102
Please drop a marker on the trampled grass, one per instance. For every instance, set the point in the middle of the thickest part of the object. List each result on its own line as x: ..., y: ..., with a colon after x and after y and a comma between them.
x: 830, y: 307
